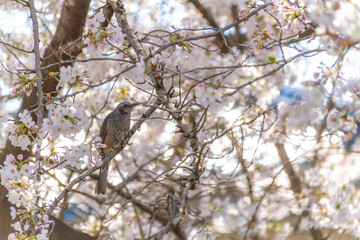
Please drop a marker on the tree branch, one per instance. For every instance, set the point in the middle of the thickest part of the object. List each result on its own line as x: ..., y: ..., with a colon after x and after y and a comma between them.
x: 295, y: 181
x: 37, y: 61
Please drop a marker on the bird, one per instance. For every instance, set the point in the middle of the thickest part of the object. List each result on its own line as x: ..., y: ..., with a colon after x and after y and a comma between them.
x: 113, y: 131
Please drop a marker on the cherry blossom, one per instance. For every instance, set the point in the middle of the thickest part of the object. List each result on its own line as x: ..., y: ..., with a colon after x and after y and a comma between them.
x: 99, y: 16
x: 93, y: 24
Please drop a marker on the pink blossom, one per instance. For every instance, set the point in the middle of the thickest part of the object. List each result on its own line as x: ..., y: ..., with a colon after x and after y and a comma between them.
x: 92, y: 24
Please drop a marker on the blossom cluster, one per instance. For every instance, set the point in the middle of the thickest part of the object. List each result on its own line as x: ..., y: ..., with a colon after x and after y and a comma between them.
x: 302, y: 112
x: 211, y: 96
x: 65, y: 119
x: 293, y: 18
x: 331, y: 200
x: 69, y: 75
x: 81, y: 155
x: 19, y: 177
x: 32, y: 218
x: 21, y: 134
x: 337, y: 18
x: 98, y: 39
x: 24, y: 85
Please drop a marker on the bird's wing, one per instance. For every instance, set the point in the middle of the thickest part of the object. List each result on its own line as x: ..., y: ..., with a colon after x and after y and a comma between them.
x: 104, y: 128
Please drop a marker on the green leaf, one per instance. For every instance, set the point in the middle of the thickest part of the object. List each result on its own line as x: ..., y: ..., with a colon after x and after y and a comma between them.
x: 148, y: 68
x: 272, y: 59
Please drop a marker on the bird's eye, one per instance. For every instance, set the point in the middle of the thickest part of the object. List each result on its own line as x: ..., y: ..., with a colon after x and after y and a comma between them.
x: 122, y: 109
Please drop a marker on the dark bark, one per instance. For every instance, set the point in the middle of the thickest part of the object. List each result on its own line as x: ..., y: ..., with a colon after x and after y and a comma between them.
x: 295, y: 181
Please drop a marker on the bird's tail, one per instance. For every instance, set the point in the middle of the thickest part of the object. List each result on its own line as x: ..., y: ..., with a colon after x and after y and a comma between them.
x: 102, y: 180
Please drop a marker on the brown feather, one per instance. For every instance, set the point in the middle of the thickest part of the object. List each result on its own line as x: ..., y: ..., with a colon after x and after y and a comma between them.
x: 112, y: 132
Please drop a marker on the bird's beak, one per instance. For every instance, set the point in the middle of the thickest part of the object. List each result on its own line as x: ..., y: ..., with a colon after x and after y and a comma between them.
x: 135, y: 104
